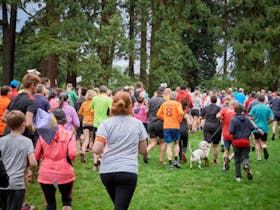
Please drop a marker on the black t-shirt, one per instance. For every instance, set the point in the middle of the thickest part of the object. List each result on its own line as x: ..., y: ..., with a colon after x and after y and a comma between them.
x: 154, y: 105
x: 209, y: 113
x: 23, y: 102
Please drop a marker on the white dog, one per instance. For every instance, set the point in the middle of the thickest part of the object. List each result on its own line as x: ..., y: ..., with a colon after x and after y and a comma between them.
x: 199, y: 154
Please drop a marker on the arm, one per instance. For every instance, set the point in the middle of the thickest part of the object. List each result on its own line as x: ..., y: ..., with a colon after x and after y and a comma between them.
x: 28, y: 121
x: 99, y: 145
x: 160, y: 113
x: 32, y: 160
x: 38, y: 150
x: 142, y: 148
x: 72, y: 150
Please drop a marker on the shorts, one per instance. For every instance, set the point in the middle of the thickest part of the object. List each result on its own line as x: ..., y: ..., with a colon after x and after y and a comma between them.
x: 90, y: 127
x: 195, y: 112
x: 171, y: 135
x: 227, y: 144
x: 155, y: 130
x: 210, y: 137
x: 276, y: 118
x: 261, y: 137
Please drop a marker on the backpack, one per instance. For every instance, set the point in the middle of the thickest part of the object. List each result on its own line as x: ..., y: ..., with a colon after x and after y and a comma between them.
x: 45, y: 124
x: 4, y: 178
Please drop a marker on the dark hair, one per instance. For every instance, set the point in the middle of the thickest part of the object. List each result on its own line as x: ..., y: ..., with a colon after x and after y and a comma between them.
x: 183, y: 87
x: 52, y: 93
x: 139, y: 84
x: 59, y: 115
x: 140, y: 99
x: 213, y: 99
x: 238, y: 108
x: 63, y: 96
x: 261, y: 98
x: 15, y: 118
x: 40, y: 88
x: 122, y: 104
x: 5, y: 90
x: 44, y: 80
x: 84, y: 91
x: 30, y: 79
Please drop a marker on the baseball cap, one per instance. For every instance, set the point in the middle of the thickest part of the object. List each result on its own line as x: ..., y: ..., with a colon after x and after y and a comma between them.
x: 14, y: 83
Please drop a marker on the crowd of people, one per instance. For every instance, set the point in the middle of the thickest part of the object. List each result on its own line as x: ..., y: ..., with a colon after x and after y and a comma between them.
x: 116, y: 126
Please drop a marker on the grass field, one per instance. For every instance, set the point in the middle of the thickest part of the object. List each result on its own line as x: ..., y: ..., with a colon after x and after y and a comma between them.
x: 159, y: 188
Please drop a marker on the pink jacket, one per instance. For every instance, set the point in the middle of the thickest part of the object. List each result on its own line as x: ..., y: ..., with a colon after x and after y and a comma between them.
x: 54, y: 167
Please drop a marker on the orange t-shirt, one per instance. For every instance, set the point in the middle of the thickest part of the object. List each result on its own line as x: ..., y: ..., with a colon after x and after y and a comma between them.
x: 4, y: 102
x: 171, y: 113
x: 87, y: 113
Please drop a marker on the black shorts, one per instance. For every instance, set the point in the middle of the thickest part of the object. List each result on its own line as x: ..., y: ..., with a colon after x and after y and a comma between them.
x: 212, y: 135
x: 88, y: 127
x: 261, y: 137
x: 276, y: 118
x: 155, y: 130
x: 195, y: 112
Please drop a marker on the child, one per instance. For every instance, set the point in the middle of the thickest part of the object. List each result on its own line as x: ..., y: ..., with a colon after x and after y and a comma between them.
x: 241, y: 128
x: 17, y: 151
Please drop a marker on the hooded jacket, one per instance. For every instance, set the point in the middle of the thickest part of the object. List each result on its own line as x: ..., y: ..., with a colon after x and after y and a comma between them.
x: 241, y: 128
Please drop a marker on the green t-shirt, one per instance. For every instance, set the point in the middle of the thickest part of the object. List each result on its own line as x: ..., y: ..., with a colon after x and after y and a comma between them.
x: 72, y: 96
x: 100, y: 104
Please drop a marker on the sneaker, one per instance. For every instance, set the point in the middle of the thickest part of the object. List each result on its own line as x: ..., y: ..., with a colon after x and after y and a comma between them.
x: 227, y: 160
x: 170, y: 166
x: 273, y: 137
x: 265, y: 153
x: 253, y: 148
x: 238, y: 179
x: 176, y: 164
x: 82, y: 158
x: 146, y: 159
x: 215, y: 162
x: 248, y: 172
x: 184, y: 157
x: 259, y: 159
x: 161, y: 162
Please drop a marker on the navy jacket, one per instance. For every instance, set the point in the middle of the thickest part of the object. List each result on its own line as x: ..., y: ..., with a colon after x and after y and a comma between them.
x: 241, y: 128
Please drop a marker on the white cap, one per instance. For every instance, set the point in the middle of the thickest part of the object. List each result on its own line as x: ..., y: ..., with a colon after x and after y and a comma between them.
x: 33, y: 71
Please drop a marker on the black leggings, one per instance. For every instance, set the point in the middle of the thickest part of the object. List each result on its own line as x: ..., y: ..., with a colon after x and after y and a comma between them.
x: 120, y: 186
x: 49, y: 193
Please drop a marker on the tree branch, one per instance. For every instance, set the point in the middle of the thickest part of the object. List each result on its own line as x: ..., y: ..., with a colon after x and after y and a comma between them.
x: 28, y: 13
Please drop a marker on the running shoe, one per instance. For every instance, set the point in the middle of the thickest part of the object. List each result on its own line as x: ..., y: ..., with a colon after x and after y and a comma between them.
x: 215, y: 162
x: 170, y: 167
x: 248, y: 172
x: 227, y: 160
x: 265, y: 153
x: 238, y: 179
x: 176, y: 164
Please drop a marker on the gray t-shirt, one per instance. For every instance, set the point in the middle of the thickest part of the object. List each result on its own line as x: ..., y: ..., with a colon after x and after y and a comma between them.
x: 15, y: 150
x: 123, y: 134
x: 154, y: 105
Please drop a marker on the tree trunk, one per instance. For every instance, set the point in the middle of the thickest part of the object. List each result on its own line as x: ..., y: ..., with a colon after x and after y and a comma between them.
x: 9, y: 35
x: 131, y: 38
x: 143, y: 50
x: 49, y: 68
x: 50, y: 63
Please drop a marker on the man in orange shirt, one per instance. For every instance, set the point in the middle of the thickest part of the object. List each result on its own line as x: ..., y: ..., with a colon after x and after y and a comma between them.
x: 172, y: 114
x: 4, y: 102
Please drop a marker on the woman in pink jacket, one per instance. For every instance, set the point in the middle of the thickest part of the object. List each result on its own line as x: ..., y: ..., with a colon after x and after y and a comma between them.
x: 56, y: 169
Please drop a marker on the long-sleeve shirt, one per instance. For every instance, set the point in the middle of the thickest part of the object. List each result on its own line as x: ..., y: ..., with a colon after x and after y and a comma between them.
x: 54, y: 167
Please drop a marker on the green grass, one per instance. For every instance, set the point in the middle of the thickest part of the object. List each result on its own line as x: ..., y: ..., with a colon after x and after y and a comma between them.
x: 161, y: 189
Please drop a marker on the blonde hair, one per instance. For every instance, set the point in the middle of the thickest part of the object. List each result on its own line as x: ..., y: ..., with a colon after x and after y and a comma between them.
x: 90, y: 94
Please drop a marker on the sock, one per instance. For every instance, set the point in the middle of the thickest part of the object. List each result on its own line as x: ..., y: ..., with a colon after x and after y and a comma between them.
x: 170, y: 162
x: 176, y: 158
